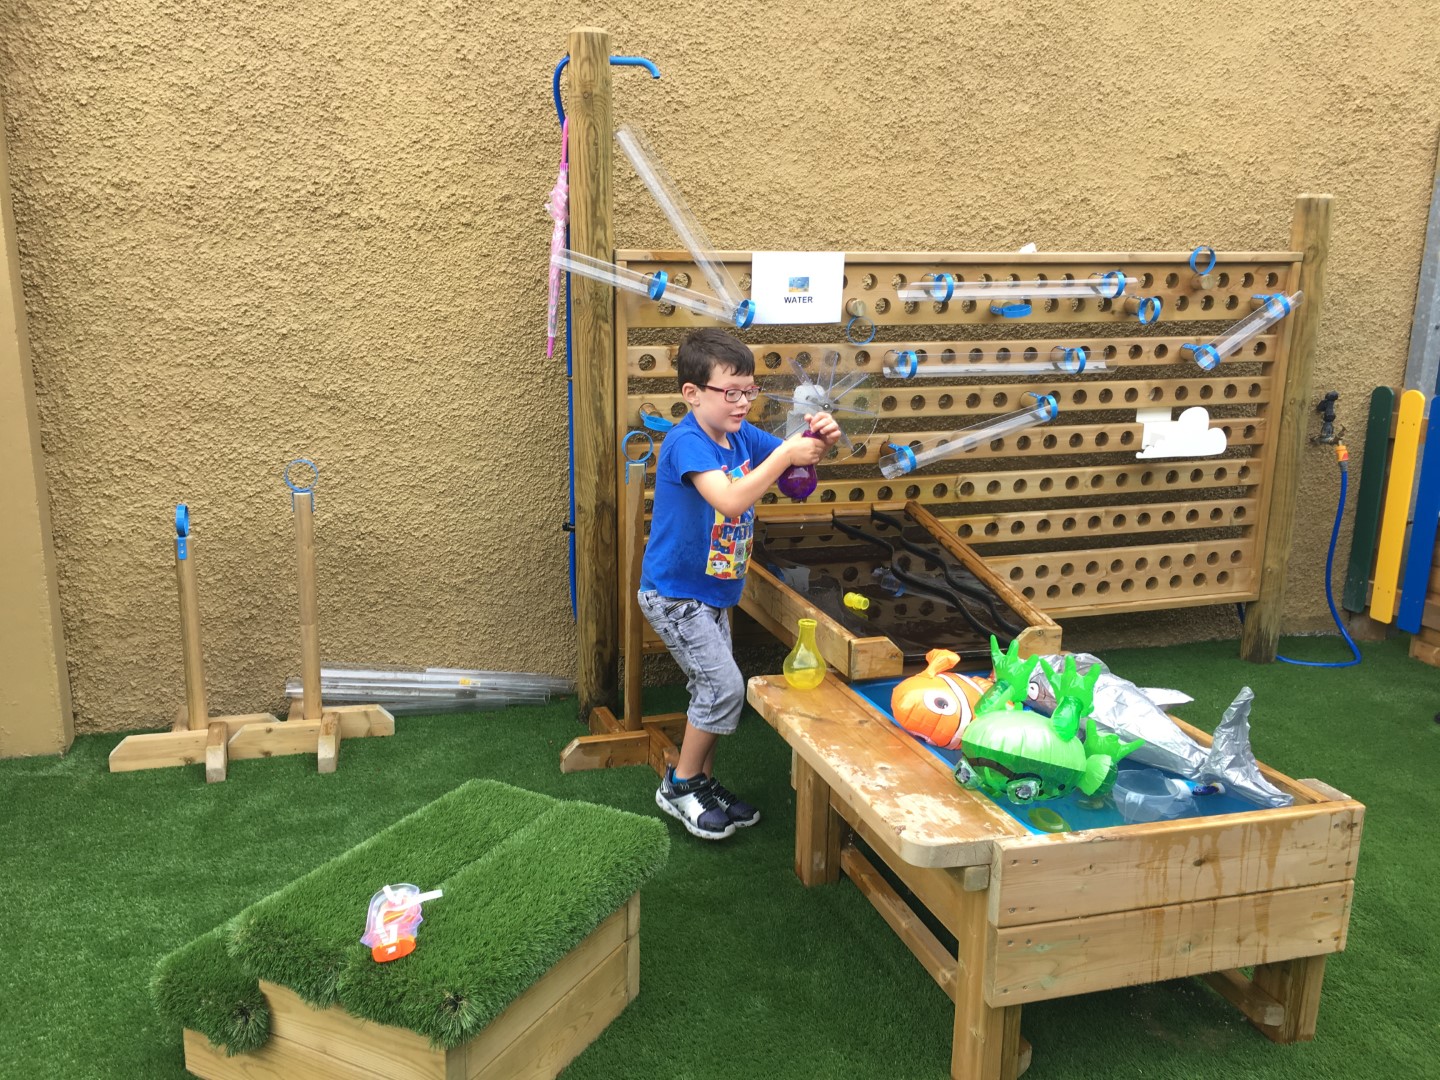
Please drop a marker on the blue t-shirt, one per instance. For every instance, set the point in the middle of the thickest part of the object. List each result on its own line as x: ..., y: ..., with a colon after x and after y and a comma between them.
x: 694, y: 552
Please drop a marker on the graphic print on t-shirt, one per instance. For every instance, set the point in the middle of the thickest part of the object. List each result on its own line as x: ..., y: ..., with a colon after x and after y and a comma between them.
x: 730, y: 538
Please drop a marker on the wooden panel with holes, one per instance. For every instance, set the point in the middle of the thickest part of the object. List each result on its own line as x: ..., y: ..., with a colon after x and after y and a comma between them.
x: 1034, y: 501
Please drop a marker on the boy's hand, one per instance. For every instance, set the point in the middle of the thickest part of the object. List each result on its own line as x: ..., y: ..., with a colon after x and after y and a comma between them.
x: 801, y: 449
x: 824, y: 425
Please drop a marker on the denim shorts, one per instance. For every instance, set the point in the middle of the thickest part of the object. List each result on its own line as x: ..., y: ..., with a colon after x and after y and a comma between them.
x: 698, y: 637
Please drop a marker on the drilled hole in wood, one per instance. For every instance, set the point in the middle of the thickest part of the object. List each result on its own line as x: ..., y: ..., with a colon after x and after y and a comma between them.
x: 1152, y: 583
x: 1207, y: 302
x: 1243, y: 473
x: 883, y: 493
x: 1259, y: 349
x: 647, y: 362
x: 1175, y: 581
x: 992, y: 488
x: 1238, y: 513
x: 1028, y: 593
x: 1105, y: 395
x: 901, y: 609
x: 768, y: 498
x: 1167, y: 518
x: 1019, y: 486
x: 1076, y: 440
x: 1156, y: 393
x: 964, y: 532
x: 1231, y: 390
x: 1271, y: 280
x: 1207, y: 392
x: 1170, y: 280
x: 1132, y: 395
x: 1071, y: 483
x: 862, y: 357
x: 1053, y: 591
x: 1049, y: 442
x: 1042, y: 572
x: 1022, y: 442
x: 913, y: 491
x: 1102, y: 586
x: 1142, y: 519
x: 940, y: 490
x: 1066, y: 569
x: 996, y: 445
x: 1016, y: 573
x: 1127, y: 585
x: 1016, y: 528
x: 1222, y: 577
x: 1165, y: 561
x: 1181, y: 393
x: 678, y: 409
x: 1142, y: 563
x: 1093, y: 522
x: 1161, y: 351
x: 1068, y: 525
x: 967, y: 489
x: 1235, y: 556
x: 1043, y: 525
x: 1212, y: 558
x: 972, y: 401
x: 1246, y: 280
x: 1116, y: 565
x: 1171, y: 476
x: 992, y: 529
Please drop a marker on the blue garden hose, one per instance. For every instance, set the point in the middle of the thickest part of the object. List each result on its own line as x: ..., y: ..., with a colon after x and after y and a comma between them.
x: 1342, y: 456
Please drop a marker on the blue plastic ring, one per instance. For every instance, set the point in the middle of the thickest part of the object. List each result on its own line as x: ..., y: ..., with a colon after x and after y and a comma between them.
x: 1149, y: 310
x: 182, y: 520
x: 850, y: 326
x: 905, y: 454
x: 1201, y: 353
x: 625, y: 451
x: 314, y: 480
x: 744, y: 314
x: 1017, y: 310
x: 1076, y: 357
x: 654, y: 421
x: 658, y: 281
x: 1196, y: 254
x: 1048, y: 400
x: 906, y: 363
x: 949, y: 280
x: 1118, y: 277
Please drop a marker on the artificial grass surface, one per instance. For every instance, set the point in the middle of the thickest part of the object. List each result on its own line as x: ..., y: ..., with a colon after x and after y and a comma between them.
x: 744, y: 971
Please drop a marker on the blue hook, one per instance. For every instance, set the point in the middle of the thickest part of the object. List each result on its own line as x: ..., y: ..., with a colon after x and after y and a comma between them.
x: 182, y: 531
x: 615, y: 61
x: 298, y: 489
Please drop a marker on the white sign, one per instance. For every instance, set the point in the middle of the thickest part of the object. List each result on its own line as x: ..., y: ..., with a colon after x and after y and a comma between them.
x: 797, y: 286
x: 1188, y: 436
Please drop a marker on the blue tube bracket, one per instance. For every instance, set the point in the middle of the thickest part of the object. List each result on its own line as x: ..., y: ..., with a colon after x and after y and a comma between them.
x: 1017, y: 310
x: 182, y: 531
x: 1195, y: 256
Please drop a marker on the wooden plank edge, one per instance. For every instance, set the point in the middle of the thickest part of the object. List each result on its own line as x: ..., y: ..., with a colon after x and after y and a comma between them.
x: 918, y: 938
x: 605, y: 751
x: 1259, y: 1007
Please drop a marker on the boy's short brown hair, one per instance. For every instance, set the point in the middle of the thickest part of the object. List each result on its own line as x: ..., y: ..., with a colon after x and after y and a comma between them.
x: 709, y: 348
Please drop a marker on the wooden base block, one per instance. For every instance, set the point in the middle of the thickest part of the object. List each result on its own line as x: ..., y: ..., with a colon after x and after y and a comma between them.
x: 1425, y: 646
x: 540, y: 1032
x: 327, y: 750
x: 653, y: 744
x: 253, y: 735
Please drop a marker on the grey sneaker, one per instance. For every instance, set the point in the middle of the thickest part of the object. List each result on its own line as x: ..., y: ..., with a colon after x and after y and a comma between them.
x: 737, y: 809
x: 695, y: 806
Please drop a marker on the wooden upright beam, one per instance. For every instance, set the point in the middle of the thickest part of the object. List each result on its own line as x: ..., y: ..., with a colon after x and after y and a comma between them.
x: 1310, y: 235
x: 592, y: 363
x: 304, y: 506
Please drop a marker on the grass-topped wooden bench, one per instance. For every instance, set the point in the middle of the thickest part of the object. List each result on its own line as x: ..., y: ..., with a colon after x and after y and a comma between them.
x: 531, y: 952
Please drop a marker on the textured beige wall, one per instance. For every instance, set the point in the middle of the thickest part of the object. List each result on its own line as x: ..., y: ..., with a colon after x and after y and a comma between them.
x: 252, y: 231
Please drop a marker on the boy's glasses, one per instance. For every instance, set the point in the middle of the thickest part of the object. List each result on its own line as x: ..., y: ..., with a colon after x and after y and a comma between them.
x: 734, y: 394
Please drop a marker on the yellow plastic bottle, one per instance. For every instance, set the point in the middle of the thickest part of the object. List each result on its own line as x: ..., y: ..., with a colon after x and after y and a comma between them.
x: 804, y: 669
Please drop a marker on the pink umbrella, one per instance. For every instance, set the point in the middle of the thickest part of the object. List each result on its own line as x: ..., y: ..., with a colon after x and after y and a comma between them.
x: 559, y: 207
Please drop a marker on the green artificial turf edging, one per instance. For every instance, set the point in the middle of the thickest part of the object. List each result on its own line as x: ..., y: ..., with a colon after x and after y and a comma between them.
x: 506, y: 919
x: 303, y: 935
x: 202, y: 987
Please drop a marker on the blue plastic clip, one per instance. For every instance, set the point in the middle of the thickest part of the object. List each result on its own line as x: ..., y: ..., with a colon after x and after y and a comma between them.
x: 1194, y: 255
x: 1117, y: 277
x: 1074, y: 360
x: 651, y: 418
x: 1052, y: 407
x: 658, y: 281
x: 296, y: 489
x: 744, y: 314
x: 1017, y: 310
x: 948, y: 280
x: 1205, y: 355
x: 1276, y: 301
x: 906, y: 363
x: 1149, y: 310
x: 182, y: 531
x: 625, y: 449
x: 905, y: 454
x: 849, y: 327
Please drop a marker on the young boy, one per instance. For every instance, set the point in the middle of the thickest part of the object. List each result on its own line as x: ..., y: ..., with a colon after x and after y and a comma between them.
x: 714, y: 466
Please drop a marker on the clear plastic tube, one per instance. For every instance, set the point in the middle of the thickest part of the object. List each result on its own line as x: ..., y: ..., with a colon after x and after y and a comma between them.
x: 358, y: 690
x: 943, y: 287
x: 908, y: 364
x: 906, y: 459
x: 463, y: 677
x: 667, y: 195
x: 1275, y: 308
x: 656, y: 287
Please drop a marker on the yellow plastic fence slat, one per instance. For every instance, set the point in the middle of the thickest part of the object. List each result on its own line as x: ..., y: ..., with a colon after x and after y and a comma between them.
x: 1397, y: 505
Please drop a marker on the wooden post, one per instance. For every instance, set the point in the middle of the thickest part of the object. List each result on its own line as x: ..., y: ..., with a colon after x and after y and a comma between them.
x: 197, y: 713
x: 592, y: 360
x: 1310, y: 235
x: 303, y: 503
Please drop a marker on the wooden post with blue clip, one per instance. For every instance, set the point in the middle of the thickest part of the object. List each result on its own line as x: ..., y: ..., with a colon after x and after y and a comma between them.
x: 197, y: 737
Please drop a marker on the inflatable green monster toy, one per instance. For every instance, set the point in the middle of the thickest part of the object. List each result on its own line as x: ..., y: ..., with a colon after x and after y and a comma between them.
x: 1010, y: 673
x: 1025, y: 757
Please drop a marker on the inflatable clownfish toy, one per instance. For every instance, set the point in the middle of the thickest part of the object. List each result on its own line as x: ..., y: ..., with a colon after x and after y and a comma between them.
x: 937, y: 704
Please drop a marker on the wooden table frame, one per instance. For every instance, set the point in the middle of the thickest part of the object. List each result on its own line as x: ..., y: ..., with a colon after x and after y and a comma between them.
x: 1042, y: 917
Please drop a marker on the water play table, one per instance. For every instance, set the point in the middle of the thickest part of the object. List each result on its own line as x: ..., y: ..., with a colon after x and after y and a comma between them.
x: 1042, y: 916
